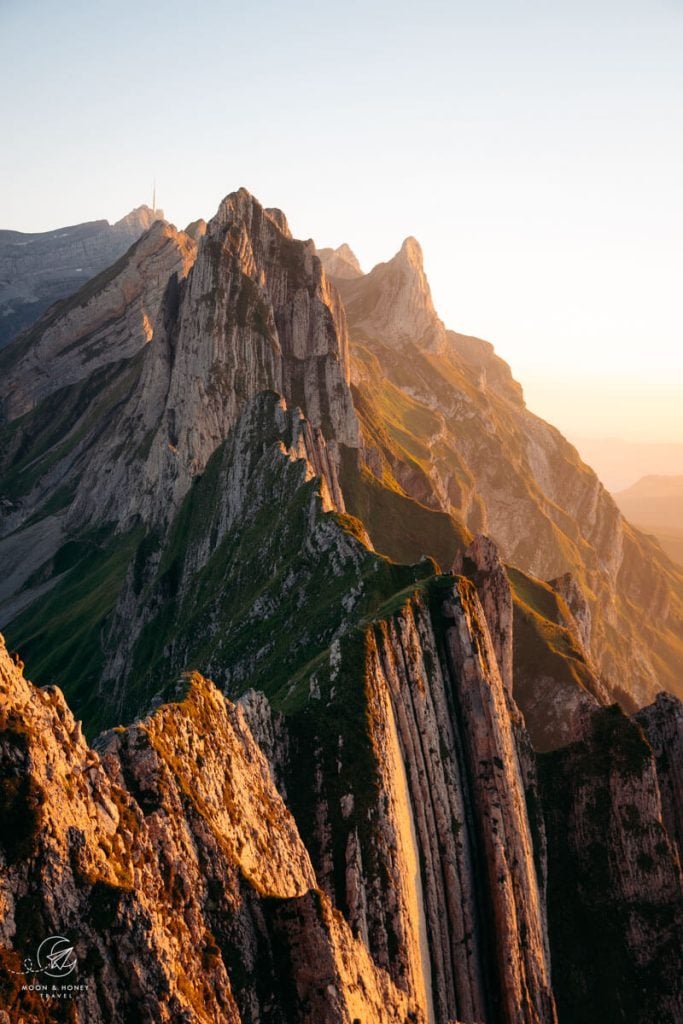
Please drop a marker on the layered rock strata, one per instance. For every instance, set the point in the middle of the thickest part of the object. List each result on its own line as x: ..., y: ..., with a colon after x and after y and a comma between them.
x: 168, y: 860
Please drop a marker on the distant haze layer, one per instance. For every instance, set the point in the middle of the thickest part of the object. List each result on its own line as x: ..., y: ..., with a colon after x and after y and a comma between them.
x: 620, y: 464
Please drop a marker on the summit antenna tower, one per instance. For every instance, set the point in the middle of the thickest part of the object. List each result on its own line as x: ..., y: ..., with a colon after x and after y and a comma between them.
x: 154, y: 195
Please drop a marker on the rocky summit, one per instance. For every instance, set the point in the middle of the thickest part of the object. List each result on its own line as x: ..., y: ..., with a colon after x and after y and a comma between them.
x: 355, y: 698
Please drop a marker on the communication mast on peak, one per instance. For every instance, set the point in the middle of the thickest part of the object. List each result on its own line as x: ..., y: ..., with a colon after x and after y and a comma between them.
x: 154, y: 195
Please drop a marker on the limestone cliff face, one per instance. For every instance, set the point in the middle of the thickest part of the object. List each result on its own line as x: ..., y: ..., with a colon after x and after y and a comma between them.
x: 481, y: 562
x: 108, y: 321
x: 37, y: 270
x: 662, y: 723
x: 257, y: 314
x: 409, y: 880
x: 444, y: 421
x: 171, y: 865
x: 169, y: 346
x: 422, y: 832
x: 367, y: 833
x: 615, y: 886
x: 271, y: 490
x: 393, y: 301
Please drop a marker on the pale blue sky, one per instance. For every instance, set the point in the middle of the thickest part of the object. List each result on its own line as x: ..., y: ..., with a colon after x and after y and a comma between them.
x: 535, y: 149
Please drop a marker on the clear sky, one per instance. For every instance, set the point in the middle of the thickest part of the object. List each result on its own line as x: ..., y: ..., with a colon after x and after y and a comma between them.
x: 535, y: 148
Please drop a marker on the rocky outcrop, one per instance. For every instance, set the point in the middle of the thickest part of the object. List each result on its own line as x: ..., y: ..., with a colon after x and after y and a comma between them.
x: 212, y: 323
x: 482, y: 564
x: 155, y: 362
x: 340, y: 262
x: 264, y: 516
x: 108, y: 321
x: 37, y: 270
x: 422, y: 833
x: 615, y: 894
x: 393, y: 302
x: 568, y: 589
x: 170, y: 865
x: 662, y: 723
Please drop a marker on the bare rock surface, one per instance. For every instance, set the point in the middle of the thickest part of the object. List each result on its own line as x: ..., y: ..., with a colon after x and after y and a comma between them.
x: 38, y: 269
x: 662, y: 723
x: 615, y: 893
x: 170, y: 862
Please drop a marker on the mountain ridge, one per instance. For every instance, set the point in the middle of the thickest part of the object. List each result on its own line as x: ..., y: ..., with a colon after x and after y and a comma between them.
x: 40, y: 268
x: 409, y: 772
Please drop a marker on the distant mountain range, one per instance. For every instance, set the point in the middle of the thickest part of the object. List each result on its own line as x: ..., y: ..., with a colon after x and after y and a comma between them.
x: 38, y: 269
x: 619, y: 463
x: 655, y: 504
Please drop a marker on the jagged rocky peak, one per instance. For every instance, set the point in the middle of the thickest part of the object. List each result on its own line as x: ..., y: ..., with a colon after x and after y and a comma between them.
x: 278, y: 218
x: 394, y: 302
x: 340, y: 262
x: 244, y: 309
x: 258, y: 314
x: 196, y: 229
x: 140, y: 219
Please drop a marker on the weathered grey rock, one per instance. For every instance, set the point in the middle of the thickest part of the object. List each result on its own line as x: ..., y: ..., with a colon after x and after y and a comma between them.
x: 393, y: 301
x: 110, y: 320
x: 567, y: 587
x: 37, y: 270
x: 430, y: 850
x: 482, y: 564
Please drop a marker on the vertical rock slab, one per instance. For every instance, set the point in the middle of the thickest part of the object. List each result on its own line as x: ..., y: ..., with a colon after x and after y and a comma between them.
x: 614, y: 883
x: 482, y: 564
x: 503, y: 834
x: 663, y: 726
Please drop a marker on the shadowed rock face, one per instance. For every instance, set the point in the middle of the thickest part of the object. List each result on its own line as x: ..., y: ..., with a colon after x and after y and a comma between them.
x: 662, y: 723
x: 615, y: 892
x: 37, y: 270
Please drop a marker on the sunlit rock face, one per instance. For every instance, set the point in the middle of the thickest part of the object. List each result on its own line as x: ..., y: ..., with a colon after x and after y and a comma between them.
x: 110, y: 320
x: 37, y: 270
x: 169, y: 861
x: 203, y: 327
x: 393, y: 301
x: 445, y: 422
x: 340, y: 262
